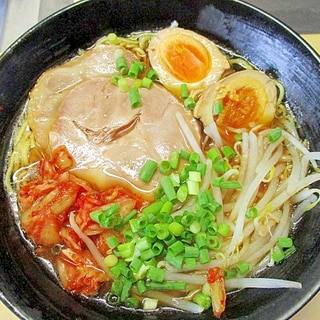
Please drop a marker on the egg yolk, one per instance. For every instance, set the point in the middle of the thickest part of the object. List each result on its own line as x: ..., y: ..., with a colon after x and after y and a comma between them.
x: 185, y: 58
x: 240, y: 108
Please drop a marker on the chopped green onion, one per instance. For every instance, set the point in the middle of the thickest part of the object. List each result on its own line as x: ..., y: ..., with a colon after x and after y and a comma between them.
x: 284, y: 242
x: 136, y: 264
x: 146, y: 83
x: 134, y: 225
x: 141, y: 287
x: 115, y: 78
x: 117, y: 286
x: 214, y: 242
x: 175, y: 179
x: 174, y: 160
x: 164, y: 217
x: 164, y: 167
x: 221, y: 166
x: 189, y: 103
x: 166, y: 208
x: 143, y: 244
x: 113, y: 38
x: 126, y: 249
x: 121, y: 65
x: 157, y: 248
x: 147, y: 254
x: 142, y: 222
x: 125, y: 293
x: 212, y: 228
x: 151, y: 74
x: 202, y: 168
x: 110, y: 261
x: 203, y: 300
x: 150, y: 304
x: 187, y: 218
x: 201, y: 242
x: 195, y: 227
x: 175, y: 261
x: 148, y: 170
x: 238, y: 137
x: 168, y: 285
x: 228, y: 151
x: 187, y: 237
x: 135, y: 69
x: 137, y: 83
x: 123, y: 85
x: 191, y: 252
x: 182, y: 193
x: 128, y: 235
x: 204, y: 256
x: 126, y: 219
x: 151, y: 231
x: 278, y: 256
x: 168, y: 188
x: 134, y: 98
x: 193, y: 187
x: 194, y: 158
x: 113, y: 299
x: 176, y: 248
x: 176, y: 228
x: 112, y: 242
x: 169, y: 240
x: 213, y: 154
x: 116, y: 269
x: 184, y: 91
x: 230, y: 273
x: 184, y: 154
x: 223, y: 184
x: 153, y: 208
x: 162, y: 231
x: 195, y: 176
x: 126, y: 272
x: 132, y: 303
x: 190, y: 263
x: 155, y: 274
x: 275, y: 135
x: 223, y: 229
x: 252, y: 213
x: 217, y: 108
x: 243, y: 267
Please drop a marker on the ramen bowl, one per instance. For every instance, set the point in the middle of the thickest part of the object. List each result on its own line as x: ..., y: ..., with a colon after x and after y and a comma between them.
x: 27, y: 284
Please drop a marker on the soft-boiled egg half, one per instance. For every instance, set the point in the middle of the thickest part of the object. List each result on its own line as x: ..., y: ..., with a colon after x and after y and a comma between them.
x: 247, y: 98
x: 181, y: 56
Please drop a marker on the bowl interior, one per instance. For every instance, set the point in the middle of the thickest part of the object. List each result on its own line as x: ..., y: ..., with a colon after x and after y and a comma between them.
x: 27, y: 284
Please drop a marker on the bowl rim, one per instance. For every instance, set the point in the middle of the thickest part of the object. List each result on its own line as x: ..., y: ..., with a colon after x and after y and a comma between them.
x: 316, y: 287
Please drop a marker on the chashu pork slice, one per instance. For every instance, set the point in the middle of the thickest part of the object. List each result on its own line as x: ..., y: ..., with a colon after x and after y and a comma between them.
x: 54, y: 84
x: 109, y: 141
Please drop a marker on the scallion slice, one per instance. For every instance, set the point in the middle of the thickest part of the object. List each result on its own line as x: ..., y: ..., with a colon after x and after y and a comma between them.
x: 168, y: 188
x: 121, y: 65
x: 184, y: 91
x: 217, y: 108
x: 134, y: 98
x: 189, y: 103
x: 275, y: 135
x: 148, y: 170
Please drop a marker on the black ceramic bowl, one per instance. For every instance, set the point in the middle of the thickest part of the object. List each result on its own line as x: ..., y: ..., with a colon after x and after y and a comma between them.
x: 27, y: 287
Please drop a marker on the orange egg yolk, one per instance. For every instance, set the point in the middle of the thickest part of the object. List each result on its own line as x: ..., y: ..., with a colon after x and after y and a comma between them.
x: 241, y: 109
x: 185, y: 58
